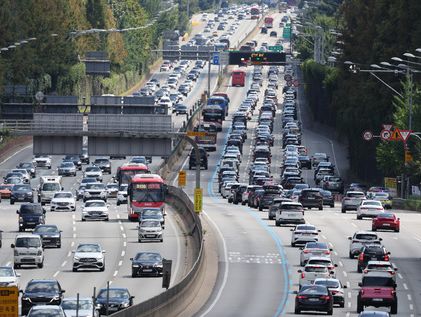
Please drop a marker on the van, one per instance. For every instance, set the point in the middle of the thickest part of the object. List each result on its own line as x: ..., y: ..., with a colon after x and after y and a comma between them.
x: 311, y: 198
x: 290, y: 213
x: 30, y: 216
x: 49, y: 185
x: 28, y: 251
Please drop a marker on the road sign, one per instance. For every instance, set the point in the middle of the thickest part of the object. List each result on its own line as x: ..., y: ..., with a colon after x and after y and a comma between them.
x: 198, y: 200
x: 215, y: 59
x: 288, y: 77
x: 408, y: 157
x: 182, y: 178
x: 387, y: 126
x: 396, y: 135
x: 367, y: 135
x: 9, y: 301
x: 385, y: 134
x: 257, y: 58
x: 276, y: 48
x: 196, y: 133
x: 391, y: 184
x: 405, y: 134
x: 224, y: 58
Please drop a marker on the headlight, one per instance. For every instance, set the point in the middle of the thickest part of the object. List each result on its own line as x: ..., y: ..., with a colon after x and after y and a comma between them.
x: 76, y: 258
x: 26, y: 298
x: 98, y: 306
x: 56, y: 297
x: 30, y: 194
x: 135, y: 265
x: 15, y: 252
x: 87, y: 194
x: 157, y: 265
x: 20, y: 218
x: 39, y: 253
x: 125, y: 305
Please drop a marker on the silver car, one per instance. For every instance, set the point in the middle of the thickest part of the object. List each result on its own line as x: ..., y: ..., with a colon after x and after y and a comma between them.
x: 314, y: 249
x: 85, y: 307
x: 304, y: 233
x: 359, y: 240
x: 150, y: 230
x: 352, y: 200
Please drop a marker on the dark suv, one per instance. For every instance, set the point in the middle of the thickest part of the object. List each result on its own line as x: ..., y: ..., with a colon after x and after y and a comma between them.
x: 104, y: 164
x: 41, y: 292
x: 75, y: 159
x: 372, y: 252
x: 203, y: 159
x: 30, y: 216
x: 311, y: 198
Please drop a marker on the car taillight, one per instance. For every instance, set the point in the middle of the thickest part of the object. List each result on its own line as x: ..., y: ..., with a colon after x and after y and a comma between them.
x: 306, y: 251
x: 325, y: 297
x: 392, y: 272
x: 326, y: 252
x: 386, y: 258
x: 301, y: 297
x: 303, y: 275
x: 335, y: 292
x: 365, y: 271
x: 361, y: 257
x: 393, y: 292
x: 362, y: 292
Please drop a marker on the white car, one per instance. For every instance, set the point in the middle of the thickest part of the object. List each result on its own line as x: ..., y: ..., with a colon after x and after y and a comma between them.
x: 312, y: 249
x: 112, y: 190
x: 42, y: 161
x: 369, y: 208
x: 312, y: 271
x: 24, y: 172
x: 85, y: 308
x: 381, y: 266
x: 150, y: 230
x: 8, y: 276
x: 320, y: 260
x: 122, y: 194
x: 63, y: 201
x: 88, y: 256
x: 95, y: 210
x: 93, y: 172
x: 165, y: 101
x: 304, y: 233
x: 226, y: 190
x: 359, y: 240
x: 290, y: 213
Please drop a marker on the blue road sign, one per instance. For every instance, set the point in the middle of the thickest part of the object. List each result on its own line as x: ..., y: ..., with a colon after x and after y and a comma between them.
x: 215, y: 60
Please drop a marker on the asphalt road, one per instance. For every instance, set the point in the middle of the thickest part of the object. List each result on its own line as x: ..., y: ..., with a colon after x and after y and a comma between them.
x: 258, y: 267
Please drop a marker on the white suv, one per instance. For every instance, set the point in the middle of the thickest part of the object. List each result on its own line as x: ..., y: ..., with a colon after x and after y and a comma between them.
x: 89, y: 256
x: 290, y: 213
x: 28, y: 251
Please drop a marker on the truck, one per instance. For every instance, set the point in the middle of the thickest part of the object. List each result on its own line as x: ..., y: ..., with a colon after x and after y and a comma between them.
x: 268, y: 22
x: 48, y: 186
x: 377, y: 289
x: 255, y: 12
x: 219, y: 101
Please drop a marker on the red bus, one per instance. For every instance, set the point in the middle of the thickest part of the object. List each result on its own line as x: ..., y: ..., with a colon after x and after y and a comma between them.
x: 269, y: 22
x: 254, y: 12
x: 128, y: 170
x: 238, y: 78
x: 145, y: 190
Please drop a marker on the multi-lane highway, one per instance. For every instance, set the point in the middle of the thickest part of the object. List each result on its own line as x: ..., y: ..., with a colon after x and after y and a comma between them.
x: 257, y: 267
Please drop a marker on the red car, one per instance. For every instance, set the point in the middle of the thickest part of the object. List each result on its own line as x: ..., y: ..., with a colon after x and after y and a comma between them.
x: 387, y: 221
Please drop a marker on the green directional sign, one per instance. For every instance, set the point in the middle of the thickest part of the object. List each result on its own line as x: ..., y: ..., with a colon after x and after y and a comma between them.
x: 276, y: 48
x: 286, y: 34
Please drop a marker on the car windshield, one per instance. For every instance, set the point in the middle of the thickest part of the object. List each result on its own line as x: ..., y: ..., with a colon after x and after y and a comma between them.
x: 51, y: 187
x: 355, y: 195
x: 374, y: 250
x: 381, y: 195
x: 113, y: 293
x: 150, y: 223
x: 67, y: 164
x: 25, y: 165
x: 98, y: 203
x: 63, y: 195
x: 305, y: 228
x: 22, y: 188
x: 95, y: 186
x: 101, y: 161
x: 3, y: 187
x: 123, y: 188
x: 291, y: 207
x: 42, y: 287
x: 46, y: 312
x: 13, y: 180
x: 386, y: 215
x: 313, y: 289
x: 371, y: 203
x: 6, y: 272
x: 366, y: 236
x: 88, y: 248
x: 151, y: 213
x: 316, y: 245
x: 28, y: 242
x: 30, y: 209
x: 379, y: 267
x: 316, y: 269
x: 71, y: 304
x: 144, y: 256
x: 325, y: 262
x: 378, y: 281
x: 328, y: 283
x: 46, y: 229
x: 112, y: 186
x: 92, y: 169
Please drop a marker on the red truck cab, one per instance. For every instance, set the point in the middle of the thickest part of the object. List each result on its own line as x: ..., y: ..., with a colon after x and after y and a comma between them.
x: 377, y: 289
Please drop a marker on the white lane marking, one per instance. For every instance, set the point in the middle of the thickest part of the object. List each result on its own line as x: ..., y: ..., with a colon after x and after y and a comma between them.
x: 353, y: 224
x: 409, y: 297
x: 121, y: 228
x: 74, y: 228
x: 405, y: 286
x: 118, y: 216
x: 400, y: 275
x: 115, y: 273
x: 348, y: 285
x: 226, y: 266
x: 349, y: 294
x: 123, y: 253
x: 344, y: 273
x: 124, y: 235
x: 411, y: 307
x: 73, y: 216
x: 124, y: 243
x: 120, y: 263
x: 64, y: 264
x: 17, y: 152
x: 340, y: 263
x: 119, y: 222
x: 177, y: 240
x: 56, y: 273
x: 72, y: 244
x: 8, y: 263
x: 69, y: 254
x: 334, y: 252
x: 330, y: 243
x: 324, y: 237
x: 74, y: 235
x: 419, y: 240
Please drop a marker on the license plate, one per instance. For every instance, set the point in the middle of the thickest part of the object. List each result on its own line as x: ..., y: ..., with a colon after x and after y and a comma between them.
x: 112, y: 308
x: 147, y: 270
x: 377, y: 299
x: 311, y: 198
x: 386, y: 224
x: 313, y: 299
x: 150, y: 236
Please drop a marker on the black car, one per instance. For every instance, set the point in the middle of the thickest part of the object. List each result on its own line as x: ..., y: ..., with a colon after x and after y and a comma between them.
x: 118, y: 298
x: 237, y: 196
x: 264, y: 30
x: 273, y: 33
x: 30, y: 167
x: 314, y: 298
x: 104, y: 164
x: 147, y: 263
x: 328, y: 199
x: 50, y: 235
x: 21, y: 192
x: 203, y: 159
x: 30, y: 216
x: 84, y: 157
x: 75, y: 159
x: 305, y: 161
x: 371, y: 252
x: 41, y: 292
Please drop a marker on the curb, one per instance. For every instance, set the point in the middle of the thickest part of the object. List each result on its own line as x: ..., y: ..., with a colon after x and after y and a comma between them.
x: 12, y: 146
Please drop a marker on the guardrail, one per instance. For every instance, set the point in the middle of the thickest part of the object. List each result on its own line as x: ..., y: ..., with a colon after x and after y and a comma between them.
x: 168, y: 303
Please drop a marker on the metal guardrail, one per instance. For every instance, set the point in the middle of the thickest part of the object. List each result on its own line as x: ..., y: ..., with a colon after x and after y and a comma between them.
x: 169, y: 299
